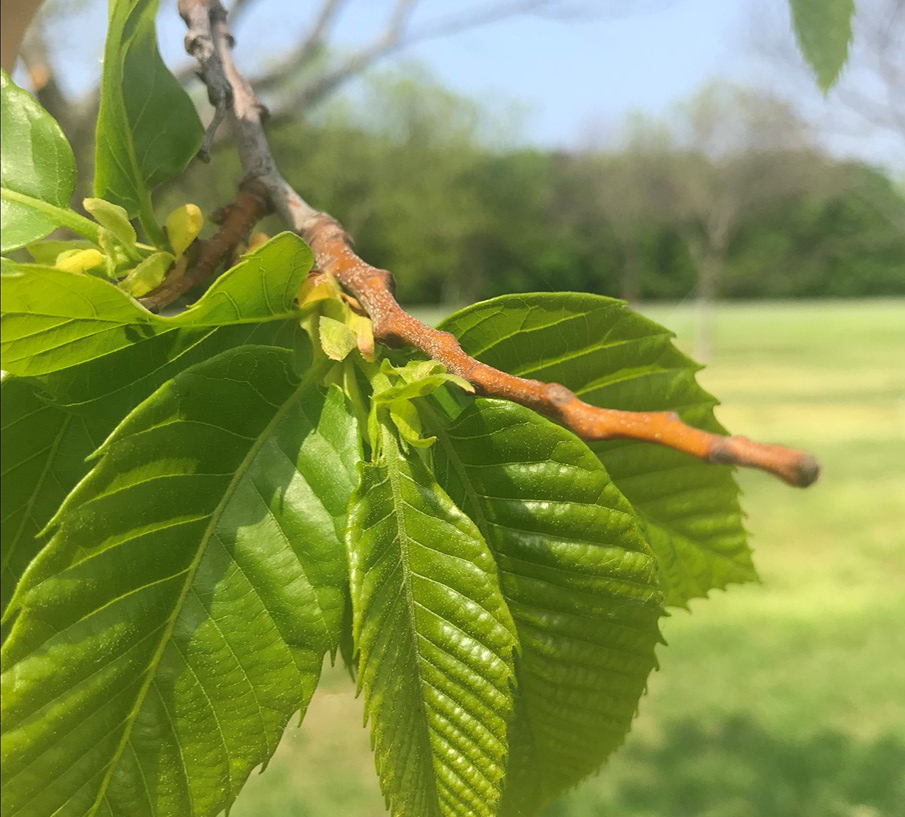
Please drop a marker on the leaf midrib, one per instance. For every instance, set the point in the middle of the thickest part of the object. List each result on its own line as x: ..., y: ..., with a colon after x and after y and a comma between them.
x: 481, y: 522
x: 394, y: 475
x: 311, y: 377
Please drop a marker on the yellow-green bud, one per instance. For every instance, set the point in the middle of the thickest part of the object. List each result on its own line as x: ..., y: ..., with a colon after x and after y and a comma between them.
x: 183, y: 226
x: 80, y: 260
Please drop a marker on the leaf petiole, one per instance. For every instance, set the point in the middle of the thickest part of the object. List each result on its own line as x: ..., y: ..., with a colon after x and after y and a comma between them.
x: 63, y: 216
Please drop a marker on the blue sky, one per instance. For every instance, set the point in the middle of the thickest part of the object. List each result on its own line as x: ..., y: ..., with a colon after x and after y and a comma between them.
x: 568, y: 74
x: 574, y: 80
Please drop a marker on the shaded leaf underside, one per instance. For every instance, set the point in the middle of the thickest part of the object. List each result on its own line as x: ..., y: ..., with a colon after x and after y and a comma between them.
x: 823, y: 29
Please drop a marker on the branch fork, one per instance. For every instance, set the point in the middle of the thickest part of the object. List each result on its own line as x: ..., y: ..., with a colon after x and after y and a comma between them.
x: 209, y: 41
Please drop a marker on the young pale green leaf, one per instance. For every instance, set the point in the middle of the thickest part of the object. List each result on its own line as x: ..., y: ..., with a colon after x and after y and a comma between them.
x: 612, y: 357
x: 181, y: 611
x: 823, y: 29
x: 37, y: 171
x: 578, y: 578
x: 336, y: 338
x: 147, y: 127
x: 81, y: 260
x: 53, y: 320
x: 435, y: 641
x: 148, y: 275
x: 115, y: 220
x: 43, y: 453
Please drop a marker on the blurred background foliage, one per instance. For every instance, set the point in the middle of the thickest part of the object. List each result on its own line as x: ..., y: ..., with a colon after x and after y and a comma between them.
x: 458, y: 219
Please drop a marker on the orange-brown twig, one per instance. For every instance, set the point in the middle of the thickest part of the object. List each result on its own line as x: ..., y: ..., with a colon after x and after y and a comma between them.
x: 236, y: 222
x: 393, y: 325
x: 209, y: 40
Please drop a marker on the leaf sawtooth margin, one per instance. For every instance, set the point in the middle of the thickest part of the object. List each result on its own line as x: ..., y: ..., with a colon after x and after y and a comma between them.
x: 578, y: 578
x: 612, y: 357
x: 435, y: 641
x: 181, y: 611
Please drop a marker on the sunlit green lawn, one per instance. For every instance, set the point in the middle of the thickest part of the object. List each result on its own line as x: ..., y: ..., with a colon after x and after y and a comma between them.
x: 785, y: 699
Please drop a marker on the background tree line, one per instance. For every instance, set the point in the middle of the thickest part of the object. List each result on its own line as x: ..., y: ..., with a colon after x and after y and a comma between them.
x: 731, y: 195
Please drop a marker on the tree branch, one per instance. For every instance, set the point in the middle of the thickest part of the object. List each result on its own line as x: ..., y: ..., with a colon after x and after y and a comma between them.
x: 209, y: 40
x: 313, y: 40
x: 389, y: 40
x: 236, y: 219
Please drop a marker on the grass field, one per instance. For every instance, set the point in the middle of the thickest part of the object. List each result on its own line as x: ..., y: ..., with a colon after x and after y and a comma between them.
x: 784, y: 699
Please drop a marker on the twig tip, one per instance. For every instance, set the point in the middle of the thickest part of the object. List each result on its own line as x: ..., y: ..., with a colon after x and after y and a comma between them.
x: 808, y: 471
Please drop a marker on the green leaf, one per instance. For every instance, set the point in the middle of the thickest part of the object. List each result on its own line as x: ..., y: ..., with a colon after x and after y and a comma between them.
x: 37, y: 172
x: 47, y: 450
x: 823, y: 29
x: 93, y: 396
x: 53, y: 320
x: 181, y: 612
x: 435, y: 641
x: 614, y: 358
x: 578, y: 578
x: 42, y: 457
x: 147, y: 127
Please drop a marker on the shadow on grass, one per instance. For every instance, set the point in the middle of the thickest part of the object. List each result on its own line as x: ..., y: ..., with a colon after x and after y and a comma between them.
x: 737, y: 769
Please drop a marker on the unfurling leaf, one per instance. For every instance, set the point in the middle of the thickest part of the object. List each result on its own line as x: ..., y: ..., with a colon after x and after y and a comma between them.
x: 115, y: 220
x: 612, y: 357
x: 408, y: 423
x: 47, y: 252
x: 435, y: 641
x: 183, y: 226
x: 182, y: 610
x: 336, y: 338
x: 415, y: 379
x: 364, y: 334
x: 80, y: 260
x: 317, y: 288
x: 148, y: 275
